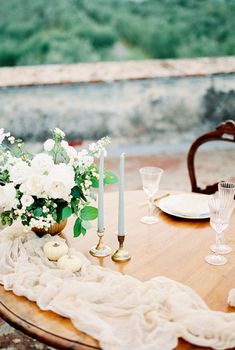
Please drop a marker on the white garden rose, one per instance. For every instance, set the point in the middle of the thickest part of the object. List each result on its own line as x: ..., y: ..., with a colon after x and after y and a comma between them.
x: 60, y: 181
x: 42, y: 163
x: 48, y: 145
x: 64, y: 144
x: 8, y: 198
x: 58, y: 189
x: 19, y: 172
x: 26, y: 200
x: 71, y: 152
x: 34, y: 186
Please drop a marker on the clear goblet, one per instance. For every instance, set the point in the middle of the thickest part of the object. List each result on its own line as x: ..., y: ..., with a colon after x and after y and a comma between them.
x: 151, y: 177
x: 226, y: 193
x: 226, y: 196
x: 219, y: 221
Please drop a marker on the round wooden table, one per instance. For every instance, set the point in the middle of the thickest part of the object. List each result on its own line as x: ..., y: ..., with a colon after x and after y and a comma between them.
x: 174, y: 248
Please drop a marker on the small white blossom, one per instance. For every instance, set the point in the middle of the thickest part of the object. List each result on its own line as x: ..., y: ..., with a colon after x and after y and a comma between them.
x: 48, y: 145
x: 59, y: 132
x: 26, y: 200
x: 45, y: 209
x: 11, y: 139
x: 84, y: 160
x: 96, y: 148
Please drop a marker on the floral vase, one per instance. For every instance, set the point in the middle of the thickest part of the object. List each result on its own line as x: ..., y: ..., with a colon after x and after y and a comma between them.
x: 53, y: 230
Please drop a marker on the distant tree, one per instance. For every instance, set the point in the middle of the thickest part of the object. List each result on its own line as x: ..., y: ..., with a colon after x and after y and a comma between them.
x: 60, y: 31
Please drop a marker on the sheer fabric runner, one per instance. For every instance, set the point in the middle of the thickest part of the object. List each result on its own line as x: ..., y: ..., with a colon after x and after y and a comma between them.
x: 120, y: 311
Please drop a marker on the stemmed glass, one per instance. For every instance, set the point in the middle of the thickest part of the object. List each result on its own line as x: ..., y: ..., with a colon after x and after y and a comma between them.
x: 151, y: 177
x: 226, y: 195
x: 219, y: 221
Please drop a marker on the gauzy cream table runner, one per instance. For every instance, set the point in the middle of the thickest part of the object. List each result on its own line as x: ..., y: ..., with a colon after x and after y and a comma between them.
x: 120, y: 311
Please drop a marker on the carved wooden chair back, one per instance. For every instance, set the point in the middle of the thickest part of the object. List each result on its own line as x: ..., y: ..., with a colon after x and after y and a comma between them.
x: 223, y: 132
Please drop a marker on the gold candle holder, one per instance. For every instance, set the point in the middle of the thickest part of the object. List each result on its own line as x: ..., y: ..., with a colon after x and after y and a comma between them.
x: 121, y: 255
x: 100, y: 250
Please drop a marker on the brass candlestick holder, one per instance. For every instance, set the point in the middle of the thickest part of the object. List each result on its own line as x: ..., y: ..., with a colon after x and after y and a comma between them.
x: 121, y: 255
x: 100, y: 250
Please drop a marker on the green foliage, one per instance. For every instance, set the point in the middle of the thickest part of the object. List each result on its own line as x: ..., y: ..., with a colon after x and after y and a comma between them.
x: 110, y: 178
x: 77, y: 229
x: 89, y: 213
x: 68, y: 31
x: 66, y: 213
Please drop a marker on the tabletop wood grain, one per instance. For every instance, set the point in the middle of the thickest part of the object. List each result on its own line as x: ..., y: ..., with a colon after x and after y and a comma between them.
x: 174, y: 248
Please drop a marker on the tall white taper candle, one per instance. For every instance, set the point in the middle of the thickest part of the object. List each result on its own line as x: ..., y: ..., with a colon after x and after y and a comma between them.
x: 121, y: 206
x: 101, y: 194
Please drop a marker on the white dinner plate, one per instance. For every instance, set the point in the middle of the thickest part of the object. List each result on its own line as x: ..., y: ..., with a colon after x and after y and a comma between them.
x: 186, y: 205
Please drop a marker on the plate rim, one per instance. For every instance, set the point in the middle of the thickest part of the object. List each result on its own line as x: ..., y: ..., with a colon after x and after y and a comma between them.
x: 168, y: 211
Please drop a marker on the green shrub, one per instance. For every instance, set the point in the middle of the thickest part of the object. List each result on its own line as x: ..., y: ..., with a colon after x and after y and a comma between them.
x: 61, y: 31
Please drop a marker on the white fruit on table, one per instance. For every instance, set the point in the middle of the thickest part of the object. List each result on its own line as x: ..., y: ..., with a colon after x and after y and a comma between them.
x: 70, y: 262
x: 55, y: 250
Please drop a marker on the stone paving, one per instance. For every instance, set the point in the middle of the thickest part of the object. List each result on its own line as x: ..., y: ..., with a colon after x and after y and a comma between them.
x: 211, y: 166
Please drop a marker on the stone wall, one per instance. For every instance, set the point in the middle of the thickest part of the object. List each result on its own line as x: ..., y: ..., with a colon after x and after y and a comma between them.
x: 171, y: 108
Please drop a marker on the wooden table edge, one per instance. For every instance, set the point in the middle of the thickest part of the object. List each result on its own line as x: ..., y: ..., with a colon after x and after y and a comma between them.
x: 38, y: 333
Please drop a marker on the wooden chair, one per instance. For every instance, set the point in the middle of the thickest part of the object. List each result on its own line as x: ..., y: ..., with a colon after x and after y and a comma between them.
x: 224, y: 132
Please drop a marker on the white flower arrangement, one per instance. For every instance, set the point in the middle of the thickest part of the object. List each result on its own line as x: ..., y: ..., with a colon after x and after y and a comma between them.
x: 51, y: 186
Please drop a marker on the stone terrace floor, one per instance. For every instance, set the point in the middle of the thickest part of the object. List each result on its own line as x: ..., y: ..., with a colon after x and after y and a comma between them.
x: 212, y: 166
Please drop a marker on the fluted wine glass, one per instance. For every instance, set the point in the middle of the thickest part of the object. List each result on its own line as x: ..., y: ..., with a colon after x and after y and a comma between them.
x: 151, y: 177
x: 219, y: 221
x: 226, y: 195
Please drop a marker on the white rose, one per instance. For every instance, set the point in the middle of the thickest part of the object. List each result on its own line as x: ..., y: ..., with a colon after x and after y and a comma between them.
x: 71, y: 152
x: 34, y: 186
x: 26, y: 200
x: 58, y: 189
x: 8, y: 198
x: 48, y: 145
x: 42, y: 163
x: 60, y: 181
x: 64, y: 144
x: 19, y: 172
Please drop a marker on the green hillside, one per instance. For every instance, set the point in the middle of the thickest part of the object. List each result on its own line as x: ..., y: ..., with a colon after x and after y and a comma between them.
x: 68, y: 31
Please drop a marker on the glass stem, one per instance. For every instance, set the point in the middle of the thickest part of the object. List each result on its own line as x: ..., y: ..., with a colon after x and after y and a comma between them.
x: 218, y: 242
x: 150, y: 206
